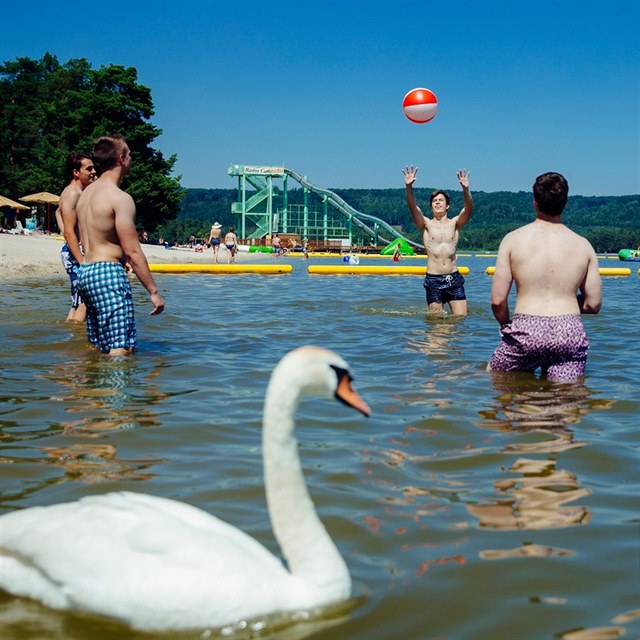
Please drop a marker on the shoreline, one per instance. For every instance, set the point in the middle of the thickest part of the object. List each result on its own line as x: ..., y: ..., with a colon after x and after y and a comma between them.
x: 39, y: 255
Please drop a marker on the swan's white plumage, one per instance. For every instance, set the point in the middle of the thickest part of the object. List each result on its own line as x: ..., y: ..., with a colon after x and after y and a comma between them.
x: 156, y: 563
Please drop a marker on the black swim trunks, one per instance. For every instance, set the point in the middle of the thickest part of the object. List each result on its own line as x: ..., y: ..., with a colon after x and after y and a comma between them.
x: 443, y: 288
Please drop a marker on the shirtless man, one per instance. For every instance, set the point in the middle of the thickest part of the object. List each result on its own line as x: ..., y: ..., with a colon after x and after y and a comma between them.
x: 107, y: 223
x: 443, y: 282
x: 82, y: 172
x: 557, y: 279
x: 275, y: 243
x: 214, y: 239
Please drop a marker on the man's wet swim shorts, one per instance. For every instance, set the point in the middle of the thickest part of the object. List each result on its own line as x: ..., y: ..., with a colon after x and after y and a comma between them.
x: 443, y: 288
x: 106, y: 291
x: 72, y: 267
x: 557, y: 344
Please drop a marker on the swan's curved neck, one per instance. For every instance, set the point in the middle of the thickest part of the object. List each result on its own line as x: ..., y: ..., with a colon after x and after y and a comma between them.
x: 309, y: 551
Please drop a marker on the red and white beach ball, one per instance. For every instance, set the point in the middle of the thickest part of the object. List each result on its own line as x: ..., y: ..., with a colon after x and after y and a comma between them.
x: 420, y: 105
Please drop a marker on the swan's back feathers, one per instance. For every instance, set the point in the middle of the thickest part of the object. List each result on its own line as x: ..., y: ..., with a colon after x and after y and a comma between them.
x: 167, y: 542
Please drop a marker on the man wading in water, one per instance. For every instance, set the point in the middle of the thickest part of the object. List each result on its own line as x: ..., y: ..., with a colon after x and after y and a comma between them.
x: 443, y: 282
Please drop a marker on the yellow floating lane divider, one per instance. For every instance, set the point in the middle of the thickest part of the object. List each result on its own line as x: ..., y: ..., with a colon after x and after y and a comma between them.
x: 604, y: 271
x: 614, y: 271
x: 221, y: 268
x: 371, y: 270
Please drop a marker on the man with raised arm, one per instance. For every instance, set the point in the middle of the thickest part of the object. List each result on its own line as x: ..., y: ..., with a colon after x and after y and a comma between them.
x: 443, y: 282
x: 107, y: 223
x: 557, y: 278
x: 82, y: 172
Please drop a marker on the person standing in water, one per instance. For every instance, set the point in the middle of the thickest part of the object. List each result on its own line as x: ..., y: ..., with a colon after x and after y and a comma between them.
x: 443, y: 282
x: 82, y: 172
x: 107, y: 224
x: 555, y: 284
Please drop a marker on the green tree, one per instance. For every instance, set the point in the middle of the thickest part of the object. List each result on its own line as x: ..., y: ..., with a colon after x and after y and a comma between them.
x: 48, y: 109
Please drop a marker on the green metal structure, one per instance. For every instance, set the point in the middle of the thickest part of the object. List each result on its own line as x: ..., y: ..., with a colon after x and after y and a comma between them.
x: 263, y: 208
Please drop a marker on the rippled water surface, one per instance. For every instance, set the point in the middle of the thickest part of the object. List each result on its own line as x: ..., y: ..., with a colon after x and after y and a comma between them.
x: 467, y: 507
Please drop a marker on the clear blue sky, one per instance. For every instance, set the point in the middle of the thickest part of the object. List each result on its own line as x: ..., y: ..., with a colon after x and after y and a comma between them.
x: 523, y: 86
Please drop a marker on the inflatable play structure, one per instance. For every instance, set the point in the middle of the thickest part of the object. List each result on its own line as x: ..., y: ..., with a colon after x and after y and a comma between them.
x: 402, y: 244
x: 629, y: 255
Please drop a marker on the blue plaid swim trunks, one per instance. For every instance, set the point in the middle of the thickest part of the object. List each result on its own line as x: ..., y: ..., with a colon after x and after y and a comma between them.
x: 443, y: 288
x: 72, y: 267
x: 106, y: 291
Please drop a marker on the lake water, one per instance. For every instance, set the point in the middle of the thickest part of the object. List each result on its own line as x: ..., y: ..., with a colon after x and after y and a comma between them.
x: 467, y: 508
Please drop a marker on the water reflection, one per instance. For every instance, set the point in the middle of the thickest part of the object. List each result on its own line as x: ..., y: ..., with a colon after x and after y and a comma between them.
x: 527, y: 404
x: 435, y: 340
x: 97, y: 462
x: 536, y: 499
x: 102, y: 390
x: 438, y: 343
x: 539, y: 497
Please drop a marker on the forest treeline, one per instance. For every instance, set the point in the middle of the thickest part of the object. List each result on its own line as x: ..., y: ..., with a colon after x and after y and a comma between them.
x: 48, y: 109
x: 609, y: 222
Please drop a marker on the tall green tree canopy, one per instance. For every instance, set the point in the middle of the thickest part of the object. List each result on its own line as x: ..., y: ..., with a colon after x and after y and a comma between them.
x: 48, y: 109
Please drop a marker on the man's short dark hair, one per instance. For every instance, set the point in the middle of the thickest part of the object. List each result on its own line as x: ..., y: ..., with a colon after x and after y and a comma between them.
x: 551, y: 192
x: 438, y: 192
x: 74, y: 162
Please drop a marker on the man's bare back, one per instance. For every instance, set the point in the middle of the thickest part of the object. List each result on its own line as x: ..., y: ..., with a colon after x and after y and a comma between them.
x: 549, y: 263
x: 104, y: 206
x: 557, y: 279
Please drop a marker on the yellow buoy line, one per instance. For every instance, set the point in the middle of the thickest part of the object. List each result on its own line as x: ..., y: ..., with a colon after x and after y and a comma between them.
x: 604, y: 271
x: 377, y: 270
x: 221, y: 268
x: 334, y: 269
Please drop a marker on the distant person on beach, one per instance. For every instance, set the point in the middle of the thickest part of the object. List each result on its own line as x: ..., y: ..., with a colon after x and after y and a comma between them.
x: 555, y: 283
x: 82, y: 172
x: 214, y: 239
x: 107, y: 223
x: 231, y: 242
x: 443, y: 282
x: 275, y: 243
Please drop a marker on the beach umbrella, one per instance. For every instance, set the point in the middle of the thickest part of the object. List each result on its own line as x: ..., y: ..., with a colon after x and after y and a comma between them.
x: 43, y: 197
x: 8, y: 202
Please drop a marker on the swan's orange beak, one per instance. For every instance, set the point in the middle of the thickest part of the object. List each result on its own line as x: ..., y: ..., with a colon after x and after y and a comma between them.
x: 347, y: 394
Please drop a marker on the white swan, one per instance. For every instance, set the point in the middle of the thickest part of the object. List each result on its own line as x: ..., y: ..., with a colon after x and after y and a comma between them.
x: 158, y: 564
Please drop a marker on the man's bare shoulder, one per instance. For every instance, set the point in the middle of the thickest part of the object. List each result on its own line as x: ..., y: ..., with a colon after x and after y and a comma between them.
x: 105, y: 192
x: 525, y: 230
x: 70, y: 195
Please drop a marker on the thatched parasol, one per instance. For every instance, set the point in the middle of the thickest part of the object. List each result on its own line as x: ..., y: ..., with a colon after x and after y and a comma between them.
x: 8, y: 202
x: 44, y: 197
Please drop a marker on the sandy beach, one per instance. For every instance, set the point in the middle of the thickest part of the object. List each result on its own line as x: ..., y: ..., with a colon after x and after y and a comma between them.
x: 39, y: 255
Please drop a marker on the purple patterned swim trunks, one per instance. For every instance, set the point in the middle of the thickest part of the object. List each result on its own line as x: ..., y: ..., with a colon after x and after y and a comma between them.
x: 556, y: 344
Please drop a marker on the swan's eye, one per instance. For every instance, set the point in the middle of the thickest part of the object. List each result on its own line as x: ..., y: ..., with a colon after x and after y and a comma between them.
x: 341, y: 373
